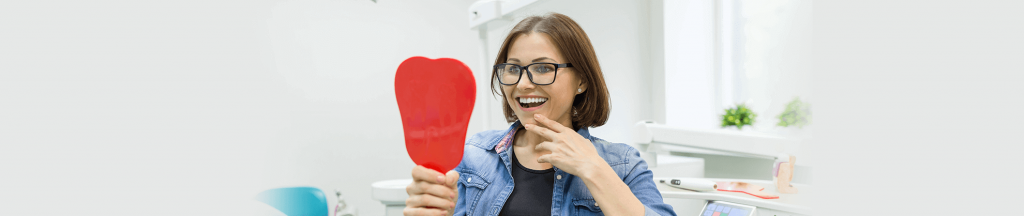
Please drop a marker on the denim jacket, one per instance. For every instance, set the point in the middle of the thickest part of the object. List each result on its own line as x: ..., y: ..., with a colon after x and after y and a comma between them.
x: 485, y: 179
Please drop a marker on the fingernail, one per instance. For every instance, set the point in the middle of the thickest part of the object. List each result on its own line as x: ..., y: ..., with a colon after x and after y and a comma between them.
x: 536, y: 115
x: 452, y: 206
x: 451, y: 196
x: 440, y: 179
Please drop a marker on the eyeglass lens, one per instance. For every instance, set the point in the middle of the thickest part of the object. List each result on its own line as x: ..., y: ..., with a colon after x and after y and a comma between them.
x: 542, y: 73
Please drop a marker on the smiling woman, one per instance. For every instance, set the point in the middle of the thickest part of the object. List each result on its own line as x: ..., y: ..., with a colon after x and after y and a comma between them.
x: 546, y: 162
x: 560, y: 40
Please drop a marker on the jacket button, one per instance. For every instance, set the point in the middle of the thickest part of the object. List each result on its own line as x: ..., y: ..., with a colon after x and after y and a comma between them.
x: 559, y: 177
x: 595, y: 203
x: 470, y: 179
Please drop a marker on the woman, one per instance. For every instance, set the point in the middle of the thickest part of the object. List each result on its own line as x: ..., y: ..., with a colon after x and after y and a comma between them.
x: 546, y: 163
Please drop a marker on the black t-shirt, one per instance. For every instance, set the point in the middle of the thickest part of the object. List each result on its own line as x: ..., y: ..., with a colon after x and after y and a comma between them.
x: 532, y: 193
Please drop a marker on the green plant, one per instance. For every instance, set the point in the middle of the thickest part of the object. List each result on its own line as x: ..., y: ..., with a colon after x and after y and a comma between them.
x: 797, y: 113
x: 738, y: 116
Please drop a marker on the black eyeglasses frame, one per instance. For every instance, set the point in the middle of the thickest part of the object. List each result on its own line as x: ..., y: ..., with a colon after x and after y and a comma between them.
x: 529, y: 74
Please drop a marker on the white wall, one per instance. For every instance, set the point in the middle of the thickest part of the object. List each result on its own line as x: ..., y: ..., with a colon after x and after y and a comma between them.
x: 187, y: 107
x: 121, y: 108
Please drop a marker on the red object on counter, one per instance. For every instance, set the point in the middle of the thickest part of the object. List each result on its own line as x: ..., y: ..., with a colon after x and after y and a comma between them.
x: 746, y: 188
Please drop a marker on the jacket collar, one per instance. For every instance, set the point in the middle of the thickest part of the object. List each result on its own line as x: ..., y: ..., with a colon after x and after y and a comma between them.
x: 585, y: 132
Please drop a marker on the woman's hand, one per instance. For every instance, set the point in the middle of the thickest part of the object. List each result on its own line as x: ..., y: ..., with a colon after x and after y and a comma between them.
x: 569, y: 151
x: 578, y: 156
x: 431, y: 193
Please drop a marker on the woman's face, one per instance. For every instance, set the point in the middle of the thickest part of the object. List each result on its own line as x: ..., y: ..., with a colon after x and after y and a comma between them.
x: 557, y: 97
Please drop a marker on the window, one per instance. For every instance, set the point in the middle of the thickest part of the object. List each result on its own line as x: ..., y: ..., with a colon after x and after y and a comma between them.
x: 722, y: 53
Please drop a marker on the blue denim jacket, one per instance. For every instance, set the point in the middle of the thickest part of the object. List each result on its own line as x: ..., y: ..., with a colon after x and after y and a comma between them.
x: 485, y: 179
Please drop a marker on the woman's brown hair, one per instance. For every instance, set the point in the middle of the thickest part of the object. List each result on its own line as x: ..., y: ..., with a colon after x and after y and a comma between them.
x: 593, y: 104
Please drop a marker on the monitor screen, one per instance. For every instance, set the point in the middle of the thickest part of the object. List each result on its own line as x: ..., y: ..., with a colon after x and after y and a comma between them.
x: 720, y: 208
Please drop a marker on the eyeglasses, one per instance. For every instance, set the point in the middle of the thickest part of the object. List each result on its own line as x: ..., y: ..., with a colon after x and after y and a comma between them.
x: 540, y: 73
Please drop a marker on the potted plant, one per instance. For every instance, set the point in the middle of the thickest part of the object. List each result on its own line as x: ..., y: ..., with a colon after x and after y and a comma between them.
x: 738, y: 116
x: 797, y: 114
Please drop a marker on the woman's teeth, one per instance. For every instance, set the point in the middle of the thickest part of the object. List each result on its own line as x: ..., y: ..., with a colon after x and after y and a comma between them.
x: 531, y: 102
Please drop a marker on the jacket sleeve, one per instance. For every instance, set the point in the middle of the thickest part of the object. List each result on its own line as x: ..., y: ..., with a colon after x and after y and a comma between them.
x: 641, y: 181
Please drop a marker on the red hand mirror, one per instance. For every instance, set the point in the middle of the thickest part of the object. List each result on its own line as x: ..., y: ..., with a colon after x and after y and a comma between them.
x: 435, y: 97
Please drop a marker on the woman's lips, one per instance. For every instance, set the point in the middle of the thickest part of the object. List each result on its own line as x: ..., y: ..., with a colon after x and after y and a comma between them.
x: 531, y: 109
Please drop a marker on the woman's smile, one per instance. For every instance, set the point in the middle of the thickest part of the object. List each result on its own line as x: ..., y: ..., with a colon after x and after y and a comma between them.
x: 531, y: 103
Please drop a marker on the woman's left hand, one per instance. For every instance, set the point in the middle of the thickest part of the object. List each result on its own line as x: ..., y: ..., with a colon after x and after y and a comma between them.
x: 569, y: 151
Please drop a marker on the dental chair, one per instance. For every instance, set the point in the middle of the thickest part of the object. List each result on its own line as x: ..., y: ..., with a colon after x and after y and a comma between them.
x: 296, y: 201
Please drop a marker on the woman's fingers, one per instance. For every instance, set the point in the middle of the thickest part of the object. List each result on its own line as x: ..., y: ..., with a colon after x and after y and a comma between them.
x: 547, y: 146
x: 542, y: 131
x: 550, y: 124
x: 419, y: 188
x: 424, y: 211
x: 545, y: 158
x: 544, y: 146
x: 431, y: 193
x: 427, y: 200
x: 441, y: 186
x: 420, y: 173
x: 452, y: 178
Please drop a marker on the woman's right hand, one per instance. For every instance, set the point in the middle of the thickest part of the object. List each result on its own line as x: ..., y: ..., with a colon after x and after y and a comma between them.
x: 431, y: 193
